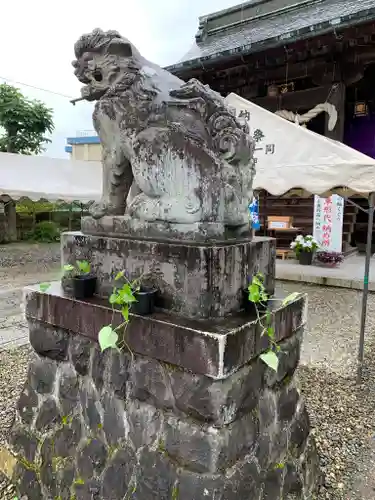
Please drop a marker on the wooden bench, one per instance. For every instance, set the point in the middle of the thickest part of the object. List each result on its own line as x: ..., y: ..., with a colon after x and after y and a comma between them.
x: 284, y: 253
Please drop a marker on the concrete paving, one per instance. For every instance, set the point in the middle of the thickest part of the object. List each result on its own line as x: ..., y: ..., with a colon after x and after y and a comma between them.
x: 349, y: 274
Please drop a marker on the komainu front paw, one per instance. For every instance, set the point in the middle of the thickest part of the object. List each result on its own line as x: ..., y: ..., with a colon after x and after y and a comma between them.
x: 99, y: 210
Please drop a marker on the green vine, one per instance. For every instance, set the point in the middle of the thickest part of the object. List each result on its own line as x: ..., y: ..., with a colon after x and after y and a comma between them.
x: 123, y: 298
x: 81, y: 268
x: 260, y: 298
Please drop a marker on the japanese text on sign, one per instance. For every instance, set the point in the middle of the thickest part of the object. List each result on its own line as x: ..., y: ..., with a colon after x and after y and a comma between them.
x: 269, y: 149
x: 328, y: 222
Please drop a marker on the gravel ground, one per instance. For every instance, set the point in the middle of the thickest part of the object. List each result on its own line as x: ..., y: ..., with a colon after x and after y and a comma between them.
x: 341, y: 413
x: 13, y: 367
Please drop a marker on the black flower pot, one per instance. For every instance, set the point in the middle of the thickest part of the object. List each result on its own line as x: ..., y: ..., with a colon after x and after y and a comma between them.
x: 84, y: 286
x: 251, y: 307
x: 145, y: 301
x: 305, y: 258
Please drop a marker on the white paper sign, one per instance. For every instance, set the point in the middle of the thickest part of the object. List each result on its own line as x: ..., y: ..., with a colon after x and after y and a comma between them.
x: 328, y: 222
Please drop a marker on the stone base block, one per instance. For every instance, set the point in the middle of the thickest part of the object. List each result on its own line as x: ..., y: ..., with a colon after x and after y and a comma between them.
x: 126, y: 226
x: 118, y: 425
x: 195, y: 280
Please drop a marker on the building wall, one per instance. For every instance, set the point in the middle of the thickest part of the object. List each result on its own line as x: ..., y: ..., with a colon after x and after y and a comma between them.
x: 87, y: 152
x: 84, y: 147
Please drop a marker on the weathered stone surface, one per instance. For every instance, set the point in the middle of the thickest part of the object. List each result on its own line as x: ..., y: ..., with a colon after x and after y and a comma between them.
x: 65, y: 477
x: 191, y: 485
x: 114, y: 419
x: 145, y: 423
x: 219, y: 402
x: 91, y: 407
x: 207, y: 449
x: 196, y: 280
x: 48, y: 469
x: 300, y: 429
x: 184, y: 166
x: 42, y: 375
x: 267, y: 410
x: 155, y: 477
x: 67, y: 438
x: 119, y: 373
x: 150, y: 382
x: 68, y: 389
x: 117, y: 479
x: 137, y: 427
x: 23, y: 443
x: 27, y: 403
x: 47, y: 340
x: 273, y: 483
x: 28, y: 483
x: 293, y: 484
x: 289, y: 356
x: 91, y: 458
x: 97, y: 367
x: 288, y: 400
x: 87, y: 490
x: 48, y: 416
x: 244, y: 482
x: 309, y: 466
x: 213, y: 348
x: 80, y: 351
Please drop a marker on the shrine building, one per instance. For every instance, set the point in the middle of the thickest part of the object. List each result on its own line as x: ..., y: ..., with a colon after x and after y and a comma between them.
x: 290, y: 56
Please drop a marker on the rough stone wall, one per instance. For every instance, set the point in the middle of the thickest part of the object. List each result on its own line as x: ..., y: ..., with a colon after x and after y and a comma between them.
x: 110, y: 426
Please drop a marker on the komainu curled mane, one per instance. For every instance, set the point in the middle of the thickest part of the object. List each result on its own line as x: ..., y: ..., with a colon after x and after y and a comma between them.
x: 172, y: 151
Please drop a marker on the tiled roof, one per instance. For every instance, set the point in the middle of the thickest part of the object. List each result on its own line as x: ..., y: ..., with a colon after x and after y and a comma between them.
x: 254, y: 35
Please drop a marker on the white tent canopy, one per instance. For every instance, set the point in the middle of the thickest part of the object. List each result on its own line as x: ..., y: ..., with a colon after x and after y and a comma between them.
x: 290, y: 156
x: 40, y: 177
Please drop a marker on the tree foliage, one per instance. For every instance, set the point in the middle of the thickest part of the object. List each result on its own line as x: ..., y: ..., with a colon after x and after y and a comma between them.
x: 24, y: 123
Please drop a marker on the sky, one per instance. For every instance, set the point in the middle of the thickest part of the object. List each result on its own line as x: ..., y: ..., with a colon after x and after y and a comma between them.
x: 37, y: 46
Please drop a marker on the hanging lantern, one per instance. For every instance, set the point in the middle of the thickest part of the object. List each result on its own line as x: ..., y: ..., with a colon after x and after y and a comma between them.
x: 360, y: 108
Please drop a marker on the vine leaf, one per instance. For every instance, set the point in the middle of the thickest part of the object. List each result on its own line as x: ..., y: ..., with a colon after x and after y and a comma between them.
x: 43, y: 287
x: 290, y: 298
x: 107, y: 338
x: 270, y: 359
x: 119, y: 275
x: 125, y: 313
x: 68, y: 268
x: 84, y: 266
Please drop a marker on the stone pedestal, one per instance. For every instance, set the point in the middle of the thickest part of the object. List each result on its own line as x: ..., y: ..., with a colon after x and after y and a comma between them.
x: 191, y: 413
x: 195, y: 279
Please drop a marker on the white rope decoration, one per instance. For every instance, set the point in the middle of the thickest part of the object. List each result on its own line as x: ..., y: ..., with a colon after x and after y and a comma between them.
x: 325, y: 107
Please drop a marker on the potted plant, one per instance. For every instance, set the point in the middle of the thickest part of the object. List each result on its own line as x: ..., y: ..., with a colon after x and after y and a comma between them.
x: 329, y: 259
x: 144, y: 297
x: 304, y: 247
x: 83, y: 280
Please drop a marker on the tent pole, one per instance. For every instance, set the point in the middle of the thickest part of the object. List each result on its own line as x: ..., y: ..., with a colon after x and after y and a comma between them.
x: 371, y: 202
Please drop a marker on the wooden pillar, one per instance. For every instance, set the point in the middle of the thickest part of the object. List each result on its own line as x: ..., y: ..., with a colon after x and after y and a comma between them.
x: 10, y: 221
x: 337, y: 98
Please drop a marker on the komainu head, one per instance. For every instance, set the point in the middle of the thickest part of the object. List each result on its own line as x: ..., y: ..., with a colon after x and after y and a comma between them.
x: 104, y: 59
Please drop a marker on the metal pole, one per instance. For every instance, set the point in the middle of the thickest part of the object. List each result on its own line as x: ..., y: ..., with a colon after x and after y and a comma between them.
x: 77, y: 99
x: 371, y: 202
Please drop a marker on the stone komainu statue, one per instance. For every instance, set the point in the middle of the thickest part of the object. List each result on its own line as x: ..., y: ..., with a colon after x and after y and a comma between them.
x: 172, y: 151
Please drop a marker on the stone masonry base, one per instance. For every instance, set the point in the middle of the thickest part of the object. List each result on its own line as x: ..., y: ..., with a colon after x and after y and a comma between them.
x: 121, y: 425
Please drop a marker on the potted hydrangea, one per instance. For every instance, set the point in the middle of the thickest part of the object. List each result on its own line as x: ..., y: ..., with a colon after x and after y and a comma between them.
x: 304, y: 247
x: 329, y: 259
